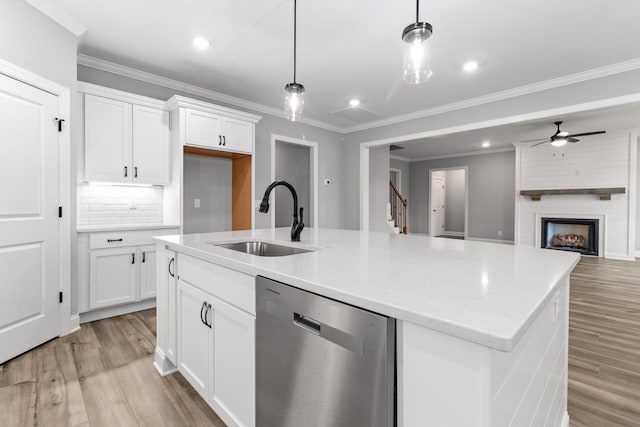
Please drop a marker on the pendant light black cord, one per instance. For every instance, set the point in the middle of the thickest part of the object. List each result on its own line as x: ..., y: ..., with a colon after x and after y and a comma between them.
x: 295, y: 32
x: 417, y: 11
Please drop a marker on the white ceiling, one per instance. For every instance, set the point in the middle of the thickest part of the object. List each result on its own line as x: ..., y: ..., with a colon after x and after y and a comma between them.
x: 354, y: 49
x: 613, y: 119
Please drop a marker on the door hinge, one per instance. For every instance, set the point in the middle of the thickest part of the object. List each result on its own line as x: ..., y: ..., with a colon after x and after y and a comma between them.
x: 60, y: 297
x: 60, y: 121
x: 59, y: 211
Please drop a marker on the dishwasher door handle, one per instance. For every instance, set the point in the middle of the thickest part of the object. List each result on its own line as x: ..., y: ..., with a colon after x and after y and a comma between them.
x: 307, y: 323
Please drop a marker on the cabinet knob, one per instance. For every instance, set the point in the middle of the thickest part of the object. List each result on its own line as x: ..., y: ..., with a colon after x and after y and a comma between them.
x: 126, y: 171
x: 224, y: 140
x: 219, y: 139
x: 135, y: 172
x: 133, y: 258
x: 169, y: 267
x: 206, y: 314
x: 144, y: 257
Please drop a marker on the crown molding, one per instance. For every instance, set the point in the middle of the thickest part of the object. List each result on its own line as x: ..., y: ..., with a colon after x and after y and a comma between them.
x: 465, y: 154
x: 596, y: 73
x: 570, y: 79
x: 177, y: 101
x: 110, y: 67
x: 59, y: 15
x: 105, y: 92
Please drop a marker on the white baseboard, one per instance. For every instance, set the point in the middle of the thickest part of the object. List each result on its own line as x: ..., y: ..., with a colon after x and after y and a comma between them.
x: 565, y: 420
x: 503, y: 242
x: 619, y: 257
x: 162, y: 364
x: 454, y: 233
x: 637, y: 254
x: 118, y: 310
x: 74, y: 323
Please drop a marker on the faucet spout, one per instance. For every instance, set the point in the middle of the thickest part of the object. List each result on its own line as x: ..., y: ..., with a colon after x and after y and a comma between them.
x: 297, y: 226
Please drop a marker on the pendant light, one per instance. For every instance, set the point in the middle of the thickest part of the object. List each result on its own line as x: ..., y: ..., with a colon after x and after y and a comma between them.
x: 417, y: 61
x: 294, y: 92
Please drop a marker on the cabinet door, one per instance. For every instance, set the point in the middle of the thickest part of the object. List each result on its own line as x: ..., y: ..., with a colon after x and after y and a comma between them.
x: 107, y: 139
x: 203, y: 129
x: 237, y: 135
x: 195, y: 342
x: 147, y: 271
x: 233, y: 373
x: 151, y: 146
x: 112, y: 277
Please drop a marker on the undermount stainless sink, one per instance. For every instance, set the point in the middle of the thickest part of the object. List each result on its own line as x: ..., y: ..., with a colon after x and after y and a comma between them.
x: 262, y: 248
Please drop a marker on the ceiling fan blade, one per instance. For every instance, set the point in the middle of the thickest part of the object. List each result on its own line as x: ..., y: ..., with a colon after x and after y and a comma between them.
x: 587, y: 133
x: 569, y: 139
x: 540, y: 143
x: 536, y: 140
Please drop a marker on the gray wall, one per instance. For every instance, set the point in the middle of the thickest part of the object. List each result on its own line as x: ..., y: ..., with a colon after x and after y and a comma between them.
x: 601, y: 88
x: 207, y: 179
x: 33, y: 41
x: 638, y: 203
x: 379, y: 189
x: 491, y: 194
x: 293, y: 164
x: 454, y: 200
x: 331, y: 160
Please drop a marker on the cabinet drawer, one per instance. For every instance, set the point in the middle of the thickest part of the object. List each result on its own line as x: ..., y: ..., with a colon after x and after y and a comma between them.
x: 116, y: 239
x: 228, y: 285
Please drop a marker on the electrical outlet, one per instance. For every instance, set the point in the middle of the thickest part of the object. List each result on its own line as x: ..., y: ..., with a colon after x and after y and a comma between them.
x: 196, y: 203
x: 256, y: 204
x: 327, y: 181
x: 132, y: 205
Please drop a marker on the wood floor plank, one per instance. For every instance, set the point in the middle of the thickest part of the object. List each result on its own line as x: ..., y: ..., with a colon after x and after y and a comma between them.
x: 18, y: 404
x: 604, y: 343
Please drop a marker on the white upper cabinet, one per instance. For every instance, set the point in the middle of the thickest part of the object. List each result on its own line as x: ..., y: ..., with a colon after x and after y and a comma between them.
x: 203, y: 129
x: 125, y: 141
x: 151, y: 145
x: 210, y: 126
x: 237, y: 135
x: 107, y: 134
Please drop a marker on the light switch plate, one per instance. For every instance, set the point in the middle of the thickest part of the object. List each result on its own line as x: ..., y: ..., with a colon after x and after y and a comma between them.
x: 196, y: 203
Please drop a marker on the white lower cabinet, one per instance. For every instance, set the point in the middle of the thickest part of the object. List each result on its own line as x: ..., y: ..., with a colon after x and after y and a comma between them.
x: 166, y: 265
x: 113, y: 277
x: 121, y: 275
x: 216, y: 353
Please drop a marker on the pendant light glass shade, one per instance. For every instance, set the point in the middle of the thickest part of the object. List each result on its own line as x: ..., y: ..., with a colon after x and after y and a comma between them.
x: 293, y: 101
x: 294, y: 92
x: 417, y: 57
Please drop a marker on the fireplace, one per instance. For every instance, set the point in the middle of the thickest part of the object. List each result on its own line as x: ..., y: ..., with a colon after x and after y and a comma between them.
x: 567, y: 234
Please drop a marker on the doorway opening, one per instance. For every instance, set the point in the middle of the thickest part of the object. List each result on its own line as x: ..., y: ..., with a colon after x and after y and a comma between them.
x: 448, y: 202
x: 295, y: 161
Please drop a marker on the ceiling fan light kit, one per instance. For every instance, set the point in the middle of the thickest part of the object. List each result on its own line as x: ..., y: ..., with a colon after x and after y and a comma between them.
x: 417, y: 60
x: 560, y: 138
x: 294, y: 92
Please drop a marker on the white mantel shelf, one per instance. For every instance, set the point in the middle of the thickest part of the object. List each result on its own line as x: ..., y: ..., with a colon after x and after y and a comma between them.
x: 481, y: 292
x: 604, y: 193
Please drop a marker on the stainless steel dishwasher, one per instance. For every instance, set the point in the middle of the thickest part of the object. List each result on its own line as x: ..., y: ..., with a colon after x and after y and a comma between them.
x: 320, y: 362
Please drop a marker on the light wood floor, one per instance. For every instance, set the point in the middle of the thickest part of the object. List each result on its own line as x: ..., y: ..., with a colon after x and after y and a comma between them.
x: 102, y: 375
x: 604, y: 344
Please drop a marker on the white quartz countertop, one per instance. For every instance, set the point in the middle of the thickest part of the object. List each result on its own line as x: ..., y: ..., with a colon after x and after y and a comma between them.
x: 122, y: 227
x: 481, y: 292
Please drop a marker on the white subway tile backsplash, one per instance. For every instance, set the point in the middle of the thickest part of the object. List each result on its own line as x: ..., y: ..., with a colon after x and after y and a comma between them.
x: 101, y: 205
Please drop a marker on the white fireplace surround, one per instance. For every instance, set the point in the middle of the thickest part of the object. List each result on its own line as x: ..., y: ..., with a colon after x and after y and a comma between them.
x: 604, y: 161
x: 602, y: 225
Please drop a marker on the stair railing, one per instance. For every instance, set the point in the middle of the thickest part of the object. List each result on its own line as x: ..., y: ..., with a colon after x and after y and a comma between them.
x: 398, y: 208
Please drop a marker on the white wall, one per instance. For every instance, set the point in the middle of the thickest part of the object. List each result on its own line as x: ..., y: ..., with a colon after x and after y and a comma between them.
x: 491, y: 194
x: 207, y: 179
x: 293, y: 164
x: 454, y: 200
x: 598, y: 162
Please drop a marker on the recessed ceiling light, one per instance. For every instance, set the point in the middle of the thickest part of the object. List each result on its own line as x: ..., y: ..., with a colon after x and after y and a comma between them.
x: 486, y: 144
x: 354, y: 102
x: 470, y: 66
x: 201, y: 43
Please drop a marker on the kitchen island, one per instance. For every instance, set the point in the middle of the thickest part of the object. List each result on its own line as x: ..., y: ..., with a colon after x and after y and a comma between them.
x: 482, y: 328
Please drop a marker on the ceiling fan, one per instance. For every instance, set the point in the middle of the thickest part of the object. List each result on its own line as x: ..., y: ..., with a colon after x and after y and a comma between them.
x: 560, y: 138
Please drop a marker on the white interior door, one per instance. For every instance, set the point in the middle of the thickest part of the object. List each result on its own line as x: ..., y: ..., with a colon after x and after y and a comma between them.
x: 437, y: 206
x: 29, y: 224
